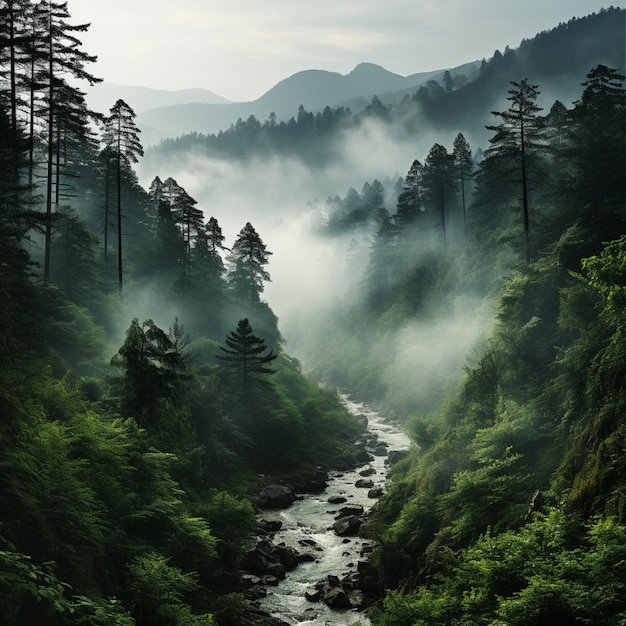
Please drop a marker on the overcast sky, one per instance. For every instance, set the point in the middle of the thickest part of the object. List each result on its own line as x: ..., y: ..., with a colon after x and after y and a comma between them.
x: 239, y: 49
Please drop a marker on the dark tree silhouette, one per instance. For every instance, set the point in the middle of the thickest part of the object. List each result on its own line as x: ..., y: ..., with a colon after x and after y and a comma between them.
x: 463, y: 165
x: 121, y: 138
x: 246, y: 354
x: 519, y: 136
x: 247, y: 259
x: 410, y: 198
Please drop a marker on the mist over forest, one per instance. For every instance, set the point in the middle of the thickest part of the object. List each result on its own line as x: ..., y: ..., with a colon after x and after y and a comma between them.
x: 183, y: 320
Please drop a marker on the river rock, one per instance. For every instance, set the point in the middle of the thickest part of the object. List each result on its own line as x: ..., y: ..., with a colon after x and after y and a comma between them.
x: 363, y: 456
x: 364, y: 483
x: 356, y: 598
x: 380, y: 450
x: 288, y: 557
x: 313, y: 595
x: 367, y: 578
x: 249, y: 580
x: 337, y: 499
x: 375, y: 492
x: 337, y: 598
x: 267, y: 559
x: 271, y: 525
x: 256, y: 561
x: 347, y: 526
x: 276, y: 497
x: 368, y: 471
x: 354, y: 509
x: 255, y: 592
x: 271, y: 581
x: 361, y: 418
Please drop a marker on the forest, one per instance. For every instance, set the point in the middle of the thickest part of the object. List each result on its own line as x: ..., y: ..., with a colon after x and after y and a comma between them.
x: 147, y: 392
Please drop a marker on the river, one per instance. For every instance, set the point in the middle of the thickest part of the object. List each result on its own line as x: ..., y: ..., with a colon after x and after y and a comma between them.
x: 308, y: 522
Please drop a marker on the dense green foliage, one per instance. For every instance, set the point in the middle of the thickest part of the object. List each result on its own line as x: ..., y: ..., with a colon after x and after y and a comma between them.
x: 130, y: 454
x: 129, y: 462
x: 511, y: 510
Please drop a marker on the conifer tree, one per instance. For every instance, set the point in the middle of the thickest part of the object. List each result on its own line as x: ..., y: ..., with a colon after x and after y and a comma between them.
x: 410, y: 198
x: 438, y: 182
x: 463, y: 165
x: 597, y: 182
x: 246, y: 354
x: 63, y: 58
x: 121, y: 138
x: 247, y: 261
x: 518, y: 138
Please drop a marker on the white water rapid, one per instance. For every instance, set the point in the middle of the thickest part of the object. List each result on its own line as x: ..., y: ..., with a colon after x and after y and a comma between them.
x: 307, y: 527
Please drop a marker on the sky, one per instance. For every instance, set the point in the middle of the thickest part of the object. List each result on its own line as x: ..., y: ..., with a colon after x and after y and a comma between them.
x: 239, y: 49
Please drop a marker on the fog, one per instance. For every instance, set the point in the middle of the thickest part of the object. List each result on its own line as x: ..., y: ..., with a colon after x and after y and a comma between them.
x: 312, y: 275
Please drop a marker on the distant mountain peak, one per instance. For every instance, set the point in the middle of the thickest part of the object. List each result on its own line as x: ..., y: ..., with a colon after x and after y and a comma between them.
x: 369, y: 69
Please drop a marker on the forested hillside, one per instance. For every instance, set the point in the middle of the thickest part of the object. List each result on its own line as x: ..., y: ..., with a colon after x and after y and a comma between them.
x: 130, y: 449
x: 512, y: 509
x: 146, y: 394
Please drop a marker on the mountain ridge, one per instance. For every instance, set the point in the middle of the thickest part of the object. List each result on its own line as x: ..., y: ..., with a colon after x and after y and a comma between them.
x: 314, y: 89
x: 102, y: 96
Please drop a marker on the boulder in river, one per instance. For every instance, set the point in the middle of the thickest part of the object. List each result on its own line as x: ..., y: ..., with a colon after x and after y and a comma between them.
x: 375, y: 492
x: 270, y: 525
x: 337, y: 499
x: 364, y: 483
x: 368, y: 471
x: 288, y: 557
x: 337, y: 598
x: 313, y: 595
x: 347, y: 526
x: 354, y: 509
x: 276, y: 497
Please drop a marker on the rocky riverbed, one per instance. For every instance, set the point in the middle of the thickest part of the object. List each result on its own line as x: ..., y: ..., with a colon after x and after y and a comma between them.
x: 310, y: 565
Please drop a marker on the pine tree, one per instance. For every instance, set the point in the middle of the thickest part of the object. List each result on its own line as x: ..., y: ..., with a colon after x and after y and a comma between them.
x: 517, y: 140
x: 246, y: 354
x: 463, y: 166
x: 64, y: 58
x: 438, y: 182
x: 247, y: 259
x: 597, y: 184
x: 121, y: 138
x: 410, y: 198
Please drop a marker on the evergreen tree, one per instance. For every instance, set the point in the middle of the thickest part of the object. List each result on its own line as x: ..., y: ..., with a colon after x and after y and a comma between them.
x: 597, y: 182
x: 64, y: 58
x: 438, y: 182
x: 463, y: 166
x: 189, y: 220
x: 410, y: 198
x: 246, y: 273
x: 246, y: 354
x: 517, y: 140
x: 75, y: 268
x: 121, y: 138
x: 154, y: 369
